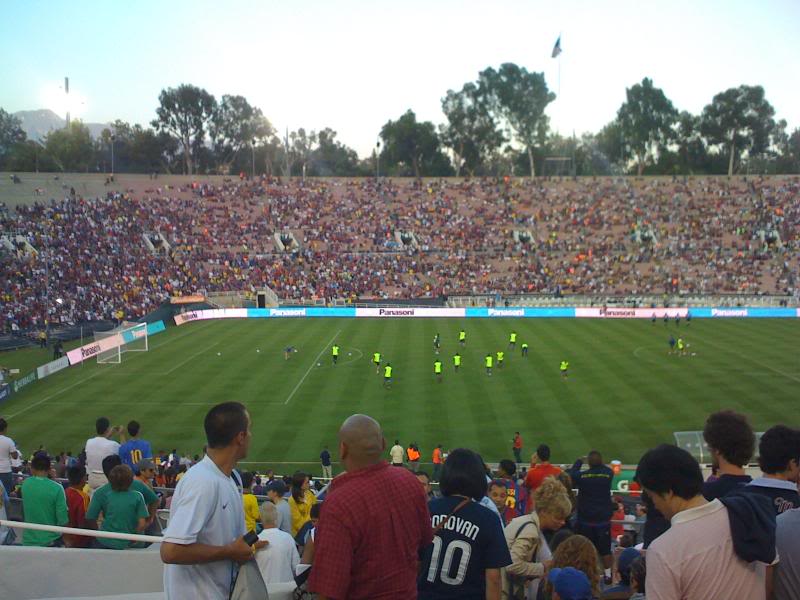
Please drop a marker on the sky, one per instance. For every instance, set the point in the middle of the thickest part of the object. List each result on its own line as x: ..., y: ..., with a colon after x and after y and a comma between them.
x: 352, y: 65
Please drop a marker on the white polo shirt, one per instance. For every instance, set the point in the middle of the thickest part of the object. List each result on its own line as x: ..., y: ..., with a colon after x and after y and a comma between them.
x: 207, y: 508
x: 6, y: 448
x: 279, y: 558
x: 97, y: 448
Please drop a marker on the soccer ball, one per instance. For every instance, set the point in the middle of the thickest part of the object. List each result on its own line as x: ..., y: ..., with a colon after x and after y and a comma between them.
x: 319, y: 364
x: 219, y: 353
x: 349, y: 354
x: 257, y: 350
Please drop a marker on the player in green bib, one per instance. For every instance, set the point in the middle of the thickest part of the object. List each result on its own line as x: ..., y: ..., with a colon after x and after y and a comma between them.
x: 488, y: 361
x: 512, y: 340
x: 456, y: 361
x: 335, y: 354
x: 437, y: 370
x: 564, y: 367
x: 387, y: 375
x: 524, y: 348
x: 376, y: 358
x: 462, y: 338
x: 500, y: 358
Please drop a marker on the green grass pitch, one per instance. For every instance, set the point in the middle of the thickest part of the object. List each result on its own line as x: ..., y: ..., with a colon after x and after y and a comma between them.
x: 624, y: 393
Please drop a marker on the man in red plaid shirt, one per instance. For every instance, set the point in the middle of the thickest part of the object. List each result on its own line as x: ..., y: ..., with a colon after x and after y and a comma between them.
x: 374, y: 524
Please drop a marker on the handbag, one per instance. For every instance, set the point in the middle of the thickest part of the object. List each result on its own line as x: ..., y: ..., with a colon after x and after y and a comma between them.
x: 249, y: 584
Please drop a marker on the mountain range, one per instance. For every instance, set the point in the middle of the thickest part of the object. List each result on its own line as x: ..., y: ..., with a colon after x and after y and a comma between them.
x: 38, y: 123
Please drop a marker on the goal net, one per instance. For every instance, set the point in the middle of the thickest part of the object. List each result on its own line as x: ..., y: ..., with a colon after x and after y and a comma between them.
x: 132, y: 337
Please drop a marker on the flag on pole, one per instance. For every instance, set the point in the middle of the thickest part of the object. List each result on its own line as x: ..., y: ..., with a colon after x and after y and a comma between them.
x: 557, y: 48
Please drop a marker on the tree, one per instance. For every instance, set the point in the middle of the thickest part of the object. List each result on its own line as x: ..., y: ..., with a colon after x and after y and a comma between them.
x: 413, y: 145
x: 470, y: 132
x: 741, y: 119
x: 646, y: 119
x: 11, y: 133
x: 234, y: 125
x: 71, y: 148
x: 518, y: 99
x: 184, y: 113
x: 332, y: 158
x: 301, y: 146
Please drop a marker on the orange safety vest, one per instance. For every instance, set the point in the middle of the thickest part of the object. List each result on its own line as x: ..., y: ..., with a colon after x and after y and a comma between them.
x: 413, y: 454
x: 437, y: 456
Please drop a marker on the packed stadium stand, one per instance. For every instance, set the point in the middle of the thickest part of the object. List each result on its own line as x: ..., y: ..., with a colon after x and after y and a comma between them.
x: 128, y: 245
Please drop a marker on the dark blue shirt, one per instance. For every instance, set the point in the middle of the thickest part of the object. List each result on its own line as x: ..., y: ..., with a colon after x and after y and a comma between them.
x: 594, y: 492
x: 454, y: 566
x: 720, y: 487
x: 325, y: 457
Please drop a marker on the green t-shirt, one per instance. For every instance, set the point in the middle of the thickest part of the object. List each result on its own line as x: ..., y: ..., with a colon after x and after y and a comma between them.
x: 121, y: 514
x: 43, y: 502
x: 137, y: 486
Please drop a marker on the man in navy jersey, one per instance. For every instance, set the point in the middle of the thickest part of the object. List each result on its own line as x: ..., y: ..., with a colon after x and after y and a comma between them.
x: 134, y: 450
x: 469, y: 546
x: 779, y: 459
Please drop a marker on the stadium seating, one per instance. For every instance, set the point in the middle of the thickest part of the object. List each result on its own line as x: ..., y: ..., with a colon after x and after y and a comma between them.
x: 706, y: 236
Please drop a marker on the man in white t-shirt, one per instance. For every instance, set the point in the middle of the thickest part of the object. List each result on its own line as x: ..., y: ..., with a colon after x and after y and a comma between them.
x: 278, y: 560
x: 203, y: 541
x: 100, y: 446
x: 8, y: 452
x: 397, y: 453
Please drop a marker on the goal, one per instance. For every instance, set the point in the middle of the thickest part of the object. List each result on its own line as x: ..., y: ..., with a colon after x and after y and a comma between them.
x: 132, y: 338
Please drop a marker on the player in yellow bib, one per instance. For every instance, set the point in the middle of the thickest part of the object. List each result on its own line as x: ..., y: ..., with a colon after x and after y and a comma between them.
x: 335, y: 354
x: 489, y: 361
x: 387, y: 375
x: 376, y: 358
x: 500, y: 358
x: 456, y: 361
x: 437, y: 370
x: 564, y: 367
x: 462, y: 338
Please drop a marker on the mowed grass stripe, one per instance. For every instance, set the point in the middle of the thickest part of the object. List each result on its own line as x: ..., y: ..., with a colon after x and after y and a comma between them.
x: 623, y: 396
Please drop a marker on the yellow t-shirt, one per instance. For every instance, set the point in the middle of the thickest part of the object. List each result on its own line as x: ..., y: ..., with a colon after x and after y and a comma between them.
x: 301, y: 511
x: 251, y: 515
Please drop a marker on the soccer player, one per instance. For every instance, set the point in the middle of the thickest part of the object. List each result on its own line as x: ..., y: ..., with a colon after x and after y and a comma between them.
x: 564, y: 368
x: 512, y: 340
x: 500, y: 357
x: 677, y: 320
x: 335, y: 354
x: 456, y: 361
x: 489, y: 361
x: 681, y: 346
x: 462, y: 338
x: 671, y: 344
x: 653, y: 319
x: 387, y: 375
x: 666, y: 318
x: 437, y: 343
x: 287, y: 352
x: 437, y: 370
x: 525, y: 349
x: 688, y: 318
x: 376, y: 358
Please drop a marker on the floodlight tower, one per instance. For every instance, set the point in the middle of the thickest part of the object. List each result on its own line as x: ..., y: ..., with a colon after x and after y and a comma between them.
x: 66, y: 91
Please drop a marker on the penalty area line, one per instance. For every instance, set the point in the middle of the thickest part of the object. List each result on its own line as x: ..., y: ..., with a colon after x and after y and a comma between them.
x: 303, y: 378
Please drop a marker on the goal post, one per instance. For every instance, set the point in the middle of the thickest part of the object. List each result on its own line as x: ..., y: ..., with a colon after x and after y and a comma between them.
x: 130, y: 337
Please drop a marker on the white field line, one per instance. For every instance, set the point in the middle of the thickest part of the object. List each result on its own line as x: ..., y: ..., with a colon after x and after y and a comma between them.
x: 752, y: 360
x: 85, y: 379
x: 302, y: 379
x: 195, y: 355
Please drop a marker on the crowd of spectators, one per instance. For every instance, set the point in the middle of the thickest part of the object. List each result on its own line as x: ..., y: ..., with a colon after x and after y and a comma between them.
x: 124, y: 253
x: 484, y: 534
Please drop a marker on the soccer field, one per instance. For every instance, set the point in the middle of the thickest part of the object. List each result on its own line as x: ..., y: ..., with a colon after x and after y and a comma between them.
x: 624, y: 393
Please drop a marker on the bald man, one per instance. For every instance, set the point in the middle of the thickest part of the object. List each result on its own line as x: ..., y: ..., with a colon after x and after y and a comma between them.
x: 374, y: 523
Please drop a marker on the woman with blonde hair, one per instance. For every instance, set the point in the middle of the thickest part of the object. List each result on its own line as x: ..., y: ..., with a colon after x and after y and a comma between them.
x: 529, y: 552
x: 578, y: 551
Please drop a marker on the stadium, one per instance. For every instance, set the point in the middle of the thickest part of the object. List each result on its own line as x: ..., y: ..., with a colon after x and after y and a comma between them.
x: 605, y: 329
